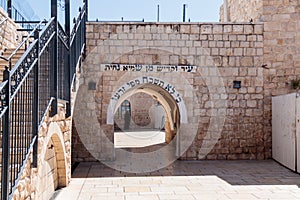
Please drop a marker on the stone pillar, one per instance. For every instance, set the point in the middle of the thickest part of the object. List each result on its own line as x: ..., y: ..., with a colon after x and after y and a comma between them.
x: 225, y: 7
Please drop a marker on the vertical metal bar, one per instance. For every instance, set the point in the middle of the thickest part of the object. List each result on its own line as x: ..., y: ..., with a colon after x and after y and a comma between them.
x: 6, y: 139
x: 184, y: 5
x: 67, y: 81
x: 158, y: 13
x: 54, y: 64
x: 67, y: 17
x: 10, y: 64
x: 84, y: 21
x: 86, y: 10
x: 9, y: 8
x: 35, y: 102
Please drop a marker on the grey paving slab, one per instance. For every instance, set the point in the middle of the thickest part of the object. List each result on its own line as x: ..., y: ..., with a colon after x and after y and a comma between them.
x: 211, y: 180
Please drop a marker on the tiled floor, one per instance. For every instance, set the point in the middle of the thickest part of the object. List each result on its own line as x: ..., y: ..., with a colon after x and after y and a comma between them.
x: 186, y: 180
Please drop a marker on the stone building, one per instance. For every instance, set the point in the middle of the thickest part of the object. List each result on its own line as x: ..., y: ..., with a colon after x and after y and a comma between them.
x: 207, y: 85
x: 256, y: 44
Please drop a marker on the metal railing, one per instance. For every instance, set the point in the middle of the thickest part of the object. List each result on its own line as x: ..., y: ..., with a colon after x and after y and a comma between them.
x: 30, y: 89
x: 16, y: 15
x: 3, y: 21
x: 23, y: 45
x: 78, y: 41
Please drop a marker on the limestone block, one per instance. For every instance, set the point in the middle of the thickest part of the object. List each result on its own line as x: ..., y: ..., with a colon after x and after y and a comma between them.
x: 232, y: 37
x: 212, y: 44
x: 252, y: 72
x: 238, y: 29
x: 238, y: 51
x: 206, y: 29
x: 227, y: 28
x: 195, y: 37
x: 245, y: 44
x: 235, y: 44
x: 258, y: 29
x: 248, y: 29
x: 218, y: 37
x: 251, y: 103
x: 195, y: 29
x: 203, y: 37
x: 217, y: 29
x: 241, y: 37
x: 251, y: 38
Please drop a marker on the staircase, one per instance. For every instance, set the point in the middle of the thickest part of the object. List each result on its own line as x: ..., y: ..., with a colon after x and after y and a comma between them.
x: 43, y: 75
x: 14, y: 59
x: 16, y: 154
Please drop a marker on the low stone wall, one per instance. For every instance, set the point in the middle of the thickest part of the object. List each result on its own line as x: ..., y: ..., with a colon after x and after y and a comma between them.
x: 54, y: 160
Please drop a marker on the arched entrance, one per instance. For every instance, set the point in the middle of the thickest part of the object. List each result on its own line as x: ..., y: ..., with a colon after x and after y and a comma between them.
x: 142, y: 127
x: 163, y: 93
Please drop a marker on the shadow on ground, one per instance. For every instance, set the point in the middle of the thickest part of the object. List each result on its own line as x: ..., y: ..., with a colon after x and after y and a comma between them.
x: 267, y: 172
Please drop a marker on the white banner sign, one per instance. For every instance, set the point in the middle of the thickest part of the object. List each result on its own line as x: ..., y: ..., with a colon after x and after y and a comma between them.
x: 148, y: 68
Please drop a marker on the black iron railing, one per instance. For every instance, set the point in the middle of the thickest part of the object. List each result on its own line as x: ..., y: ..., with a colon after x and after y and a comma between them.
x: 30, y: 89
x: 25, y: 42
x: 78, y: 41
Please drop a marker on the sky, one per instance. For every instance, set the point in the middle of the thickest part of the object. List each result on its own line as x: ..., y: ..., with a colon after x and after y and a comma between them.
x: 137, y: 10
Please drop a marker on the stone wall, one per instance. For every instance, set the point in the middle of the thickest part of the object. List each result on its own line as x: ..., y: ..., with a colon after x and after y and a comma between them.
x: 9, y: 36
x: 141, y: 111
x: 218, y: 51
x: 54, y: 160
x: 243, y: 11
x: 281, y: 50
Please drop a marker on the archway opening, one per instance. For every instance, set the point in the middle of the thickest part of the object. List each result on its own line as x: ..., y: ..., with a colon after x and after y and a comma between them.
x: 146, y: 118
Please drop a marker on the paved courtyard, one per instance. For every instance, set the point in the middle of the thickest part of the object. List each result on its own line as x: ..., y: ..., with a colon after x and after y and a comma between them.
x: 185, y: 180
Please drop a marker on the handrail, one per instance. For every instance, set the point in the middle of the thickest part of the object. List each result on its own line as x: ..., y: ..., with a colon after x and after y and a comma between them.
x: 4, y: 58
x: 27, y: 38
x: 77, y: 23
x: 45, y: 113
x: 62, y: 35
x: 13, y: 70
x: 26, y: 73
x: 46, y: 27
x: 2, y: 22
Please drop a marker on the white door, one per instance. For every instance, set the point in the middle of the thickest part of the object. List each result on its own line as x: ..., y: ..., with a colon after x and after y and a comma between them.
x: 298, y: 134
x: 284, y: 130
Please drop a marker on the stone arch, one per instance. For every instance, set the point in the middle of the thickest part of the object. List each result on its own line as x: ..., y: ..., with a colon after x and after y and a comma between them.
x: 164, y: 92
x: 171, y: 101
x: 55, y: 138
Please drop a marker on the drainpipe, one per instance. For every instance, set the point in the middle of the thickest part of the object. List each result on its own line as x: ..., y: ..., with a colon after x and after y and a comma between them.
x: 225, y: 7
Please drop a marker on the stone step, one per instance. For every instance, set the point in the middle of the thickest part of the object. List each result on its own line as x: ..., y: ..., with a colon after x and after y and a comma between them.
x: 14, y: 59
x: 8, y: 53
